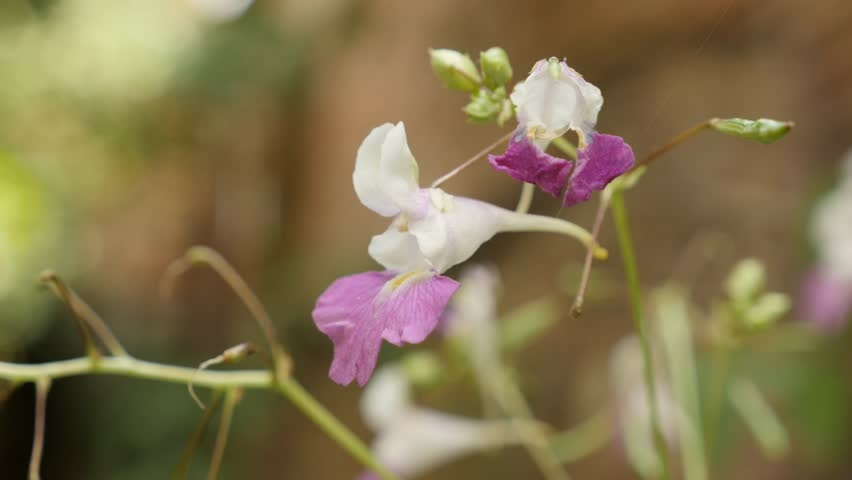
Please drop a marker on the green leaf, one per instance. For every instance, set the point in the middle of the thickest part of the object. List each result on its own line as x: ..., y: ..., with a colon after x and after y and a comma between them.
x: 527, y: 323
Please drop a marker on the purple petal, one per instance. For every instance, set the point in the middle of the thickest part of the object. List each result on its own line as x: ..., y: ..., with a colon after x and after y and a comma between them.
x: 606, y: 157
x: 826, y: 301
x: 358, y: 311
x: 526, y: 162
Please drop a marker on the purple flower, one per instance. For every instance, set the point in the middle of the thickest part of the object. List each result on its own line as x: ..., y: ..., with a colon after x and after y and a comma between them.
x: 826, y: 300
x: 358, y: 311
x: 605, y: 158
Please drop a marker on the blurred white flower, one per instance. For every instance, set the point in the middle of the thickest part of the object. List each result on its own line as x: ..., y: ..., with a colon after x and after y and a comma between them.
x: 411, y: 440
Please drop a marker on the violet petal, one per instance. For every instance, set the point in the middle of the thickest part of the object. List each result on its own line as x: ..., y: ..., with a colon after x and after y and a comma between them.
x: 825, y: 301
x: 358, y: 311
x: 526, y: 162
x: 606, y: 157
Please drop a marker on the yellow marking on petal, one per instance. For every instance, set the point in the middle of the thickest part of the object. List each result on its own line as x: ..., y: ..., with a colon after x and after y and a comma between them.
x: 397, y: 281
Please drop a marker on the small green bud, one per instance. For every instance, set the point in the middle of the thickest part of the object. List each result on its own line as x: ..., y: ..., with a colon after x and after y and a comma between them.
x: 767, y: 310
x: 507, y: 112
x: 455, y: 69
x: 483, y: 107
x: 496, y: 69
x: 422, y: 367
x: 763, y: 130
x: 746, y: 280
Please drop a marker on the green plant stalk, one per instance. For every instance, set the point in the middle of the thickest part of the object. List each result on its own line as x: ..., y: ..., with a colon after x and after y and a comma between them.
x: 246, y: 379
x: 194, y: 441
x: 625, y: 244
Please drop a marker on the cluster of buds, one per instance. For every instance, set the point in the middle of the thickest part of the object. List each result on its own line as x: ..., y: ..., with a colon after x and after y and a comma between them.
x: 486, y: 85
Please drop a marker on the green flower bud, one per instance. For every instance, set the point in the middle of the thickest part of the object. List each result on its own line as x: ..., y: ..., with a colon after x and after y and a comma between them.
x: 507, y: 112
x: 496, y: 69
x: 767, y: 311
x: 483, y: 107
x: 746, y: 280
x: 455, y: 69
x: 763, y: 130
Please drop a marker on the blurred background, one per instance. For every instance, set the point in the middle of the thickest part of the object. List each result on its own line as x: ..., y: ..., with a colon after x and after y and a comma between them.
x: 132, y: 130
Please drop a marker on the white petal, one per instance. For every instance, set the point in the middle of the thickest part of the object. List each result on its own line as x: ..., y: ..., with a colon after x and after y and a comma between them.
x: 386, y: 398
x: 454, y: 228
x: 385, y: 175
x: 425, y: 439
x: 549, y: 104
x: 397, y: 250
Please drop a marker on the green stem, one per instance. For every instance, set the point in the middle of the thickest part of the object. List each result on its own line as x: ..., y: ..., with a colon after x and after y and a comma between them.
x: 244, y: 379
x: 197, y: 436
x: 332, y: 426
x: 720, y: 371
x: 231, y: 398
x: 584, y: 439
x: 526, y: 198
x: 631, y: 273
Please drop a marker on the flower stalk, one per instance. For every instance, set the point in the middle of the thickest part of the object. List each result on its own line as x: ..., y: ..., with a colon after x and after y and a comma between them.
x: 631, y: 273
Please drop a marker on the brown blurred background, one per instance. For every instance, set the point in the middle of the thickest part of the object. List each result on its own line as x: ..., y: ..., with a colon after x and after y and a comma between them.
x: 150, y: 127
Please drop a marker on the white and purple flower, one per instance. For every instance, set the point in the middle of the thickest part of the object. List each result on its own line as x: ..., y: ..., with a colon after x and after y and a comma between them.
x: 431, y: 231
x: 826, y: 296
x: 403, y: 303
x: 551, y: 101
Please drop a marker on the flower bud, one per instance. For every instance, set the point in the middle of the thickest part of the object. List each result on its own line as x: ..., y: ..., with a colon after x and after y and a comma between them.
x: 483, y: 107
x: 496, y: 69
x: 767, y: 311
x: 746, y: 280
x: 763, y: 130
x: 455, y: 69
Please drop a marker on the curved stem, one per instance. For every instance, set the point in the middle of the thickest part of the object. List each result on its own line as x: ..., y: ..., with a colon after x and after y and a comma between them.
x: 281, y: 362
x: 525, y: 222
x: 84, y: 315
x: 631, y: 272
x: 526, y: 198
x: 584, y: 439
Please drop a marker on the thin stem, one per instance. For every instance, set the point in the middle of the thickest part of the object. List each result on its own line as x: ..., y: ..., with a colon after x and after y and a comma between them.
x: 631, y: 273
x: 721, y: 362
x: 59, y: 288
x: 527, y: 192
x: 197, y: 435
x: 583, y: 440
x: 537, y: 444
x: 244, y: 379
x: 577, y: 307
x: 470, y: 161
x: 204, y: 255
x: 680, y: 138
x: 332, y: 426
x: 231, y: 399
x: 525, y: 222
x: 133, y: 367
x: 84, y: 313
x: 42, y: 388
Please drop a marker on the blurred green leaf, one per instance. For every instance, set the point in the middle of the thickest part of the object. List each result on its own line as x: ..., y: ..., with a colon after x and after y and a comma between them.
x: 525, y: 324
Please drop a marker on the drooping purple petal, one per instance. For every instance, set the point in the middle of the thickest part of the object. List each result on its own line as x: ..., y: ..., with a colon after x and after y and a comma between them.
x: 606, y: 157
x: 358, y: 311
x: 826, y: 301
x: 526, y: 162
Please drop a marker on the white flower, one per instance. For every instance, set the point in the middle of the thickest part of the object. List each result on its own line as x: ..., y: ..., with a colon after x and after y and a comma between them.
x: 411, y: 440
x: 432, y: 230
x: 554, y: 99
